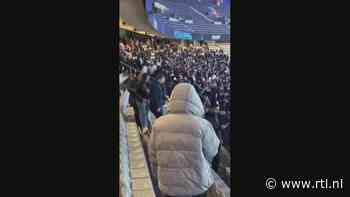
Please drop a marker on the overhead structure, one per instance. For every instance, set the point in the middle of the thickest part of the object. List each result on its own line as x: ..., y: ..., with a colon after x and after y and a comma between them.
x: 134, y: 14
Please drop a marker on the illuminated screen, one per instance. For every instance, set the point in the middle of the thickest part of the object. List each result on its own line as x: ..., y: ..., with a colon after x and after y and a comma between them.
x: 189, y: 19
x: 182, y: 35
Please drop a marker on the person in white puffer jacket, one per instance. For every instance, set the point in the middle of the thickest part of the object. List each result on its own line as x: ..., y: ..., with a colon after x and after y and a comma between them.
x: 183, y: 145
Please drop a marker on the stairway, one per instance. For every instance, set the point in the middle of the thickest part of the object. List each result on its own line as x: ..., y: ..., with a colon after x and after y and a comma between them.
x: 141, y: 185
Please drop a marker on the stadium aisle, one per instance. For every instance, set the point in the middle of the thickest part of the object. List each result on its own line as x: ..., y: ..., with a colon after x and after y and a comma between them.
x: 141, y: 181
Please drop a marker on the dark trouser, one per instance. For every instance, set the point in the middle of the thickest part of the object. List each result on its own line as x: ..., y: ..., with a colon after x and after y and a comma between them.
x: 213, y: 119
x: 227, y: 137
x: 136, y: 116
x: 143, y: 114
x: 200, y: 195
x: 216, y: 161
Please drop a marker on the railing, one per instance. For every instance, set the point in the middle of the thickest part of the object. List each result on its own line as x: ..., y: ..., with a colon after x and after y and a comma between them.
x: 124, y: 172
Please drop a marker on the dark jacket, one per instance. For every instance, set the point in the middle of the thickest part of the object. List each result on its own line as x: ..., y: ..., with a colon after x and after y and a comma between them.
x: 157, y: 95
x: 142, y: 91
x: 132, y: 86
x: 212, y: 115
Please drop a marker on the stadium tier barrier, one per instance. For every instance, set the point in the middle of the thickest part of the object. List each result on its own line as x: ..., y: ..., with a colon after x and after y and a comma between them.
x: 124, y: 176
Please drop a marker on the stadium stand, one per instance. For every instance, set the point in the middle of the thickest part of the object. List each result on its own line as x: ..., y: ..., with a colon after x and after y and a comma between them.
x: 149, y: 47
x: 201, y: 23
x: 134, y: 59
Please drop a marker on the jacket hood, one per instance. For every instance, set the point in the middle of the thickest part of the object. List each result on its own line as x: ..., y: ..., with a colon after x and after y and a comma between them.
x: 184, y: 99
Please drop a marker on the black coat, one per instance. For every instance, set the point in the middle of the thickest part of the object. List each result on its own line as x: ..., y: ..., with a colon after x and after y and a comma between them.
x: 142, y: 91
x: 132, y: 86
x: 157, y: 95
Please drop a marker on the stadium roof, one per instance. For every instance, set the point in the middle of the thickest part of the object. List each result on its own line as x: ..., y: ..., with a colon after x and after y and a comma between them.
x: 133, y: 13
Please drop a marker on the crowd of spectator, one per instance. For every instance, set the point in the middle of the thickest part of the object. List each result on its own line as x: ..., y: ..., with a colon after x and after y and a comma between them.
x: 154, y: 66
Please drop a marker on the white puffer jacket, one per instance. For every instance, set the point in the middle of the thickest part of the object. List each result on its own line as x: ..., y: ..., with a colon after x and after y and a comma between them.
x: 183, y: 145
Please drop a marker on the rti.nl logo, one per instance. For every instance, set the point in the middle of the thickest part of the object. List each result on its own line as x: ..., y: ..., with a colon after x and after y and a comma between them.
x: 323, y: 183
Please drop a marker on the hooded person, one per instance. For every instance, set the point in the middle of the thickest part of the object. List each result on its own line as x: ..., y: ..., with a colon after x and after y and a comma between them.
x: 183, y: 145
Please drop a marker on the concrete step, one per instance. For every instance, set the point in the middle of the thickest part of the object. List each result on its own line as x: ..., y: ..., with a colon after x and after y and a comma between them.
x: 141, y: 184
